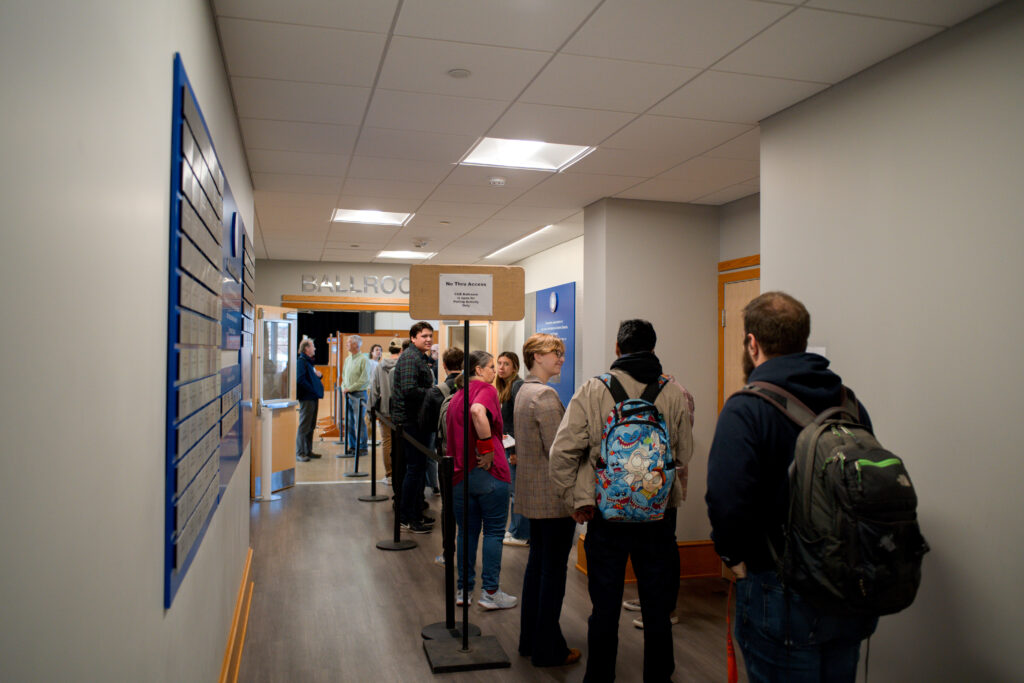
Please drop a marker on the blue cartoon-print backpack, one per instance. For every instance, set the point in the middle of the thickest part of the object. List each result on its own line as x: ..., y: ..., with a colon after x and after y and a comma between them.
x: 636, y: 470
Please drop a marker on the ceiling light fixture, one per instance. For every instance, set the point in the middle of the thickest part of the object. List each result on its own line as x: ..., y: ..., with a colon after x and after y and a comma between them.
x: 415, y: 255
x: 519, y: 241
x: 371, y: 217
x: 529, y: 154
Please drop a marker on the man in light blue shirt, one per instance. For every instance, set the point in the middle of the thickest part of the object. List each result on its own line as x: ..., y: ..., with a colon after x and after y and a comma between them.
x: 355, y: 381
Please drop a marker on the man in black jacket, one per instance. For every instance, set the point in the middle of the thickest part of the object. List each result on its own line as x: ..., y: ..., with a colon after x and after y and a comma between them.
x: 413, y: 378
x: 781, y: 636
x: 308, y: 390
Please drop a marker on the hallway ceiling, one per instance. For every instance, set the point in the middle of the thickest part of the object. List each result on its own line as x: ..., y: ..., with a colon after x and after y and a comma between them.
x: 348, y: 104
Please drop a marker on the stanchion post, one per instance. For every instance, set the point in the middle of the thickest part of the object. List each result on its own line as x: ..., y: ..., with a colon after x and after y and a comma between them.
x: 360, y: 415
x: 373, y: 497
x: 398, y: 464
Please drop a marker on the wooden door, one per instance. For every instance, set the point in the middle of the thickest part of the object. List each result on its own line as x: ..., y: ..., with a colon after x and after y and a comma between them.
x: 735, y: 290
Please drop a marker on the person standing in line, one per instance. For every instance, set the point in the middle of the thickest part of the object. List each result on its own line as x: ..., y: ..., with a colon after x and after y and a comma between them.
x: 576, y: 457
x: 380, y: 399
x: 376, y: 353
x: 781, y: 635
x: 538, y: 412
x: 354, y: 383
x: 508, y: 383
x: 488, y: 481
x: 412, y: 379
x: 308, y: 390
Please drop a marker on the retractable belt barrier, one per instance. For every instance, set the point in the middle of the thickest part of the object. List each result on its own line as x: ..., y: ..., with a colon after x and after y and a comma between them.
x: 359, y: 434
x: 396, y: 542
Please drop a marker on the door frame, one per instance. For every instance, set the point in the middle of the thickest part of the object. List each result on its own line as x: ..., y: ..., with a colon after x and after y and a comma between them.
x: 735, y: 270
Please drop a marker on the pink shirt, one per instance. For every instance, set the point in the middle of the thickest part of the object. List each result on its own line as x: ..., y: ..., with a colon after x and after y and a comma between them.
x: 486, y: 395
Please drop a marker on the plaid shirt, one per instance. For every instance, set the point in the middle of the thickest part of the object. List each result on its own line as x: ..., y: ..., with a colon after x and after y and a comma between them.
x: 412, y: 378
x: 538, y: 412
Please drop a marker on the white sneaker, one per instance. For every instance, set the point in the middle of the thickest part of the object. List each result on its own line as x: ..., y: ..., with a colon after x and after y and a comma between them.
x: 512, y: 540
x: 499, y: 599
x: 631, y: 605
x: 458, y: 597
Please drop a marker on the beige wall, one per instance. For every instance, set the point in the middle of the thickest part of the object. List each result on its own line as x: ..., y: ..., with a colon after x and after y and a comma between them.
x: 658, y: 260
x: 86, y: 148
x: 891, y: 207
x: 739, y: 225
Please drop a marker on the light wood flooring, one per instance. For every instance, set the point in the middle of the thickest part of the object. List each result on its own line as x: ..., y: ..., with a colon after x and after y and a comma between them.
x: 329, y: 606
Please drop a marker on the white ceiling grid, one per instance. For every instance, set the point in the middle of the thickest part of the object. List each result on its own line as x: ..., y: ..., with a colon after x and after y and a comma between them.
x: 348, y: 104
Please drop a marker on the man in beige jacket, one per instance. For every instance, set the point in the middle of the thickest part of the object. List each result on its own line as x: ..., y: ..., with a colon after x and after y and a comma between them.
x: 608, y: 544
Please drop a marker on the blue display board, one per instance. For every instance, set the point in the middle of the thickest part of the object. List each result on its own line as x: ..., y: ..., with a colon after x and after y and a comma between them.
x: 556, y: 314
x: 207, y: 337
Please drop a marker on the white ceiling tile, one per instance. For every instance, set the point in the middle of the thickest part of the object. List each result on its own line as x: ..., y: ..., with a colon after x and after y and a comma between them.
x: 946, y: 13
x: 284, y: 182
x: 729, y: 194
x: 349, y: 255
x: 720, y: 96
x: 458, y: 256
x: 376, y: 168
x: 554, y: 236
x: 664, y: 190
x: 481, y: 175
x: 746, y: 146
x: 479, y: 194
x: 683, y: 138
x: 260, y: 49
x: 532, y: 25
x: 343, y: 235
x: 290, y: 101
x: 423, y: 222
x: 537, y: 214
x: 302, y: 163
x: 460, y: 209
x: 387, y: 188
x: 562, y: 125
x: 298, y: 137
x: 627, y: 162
x: 814, y: 45
x: 356, y: 15
x: 432, y: 113
x: 681, y: 32
x: 496, y: 73
x: 267, y: 198
x: 575, y: 190
x: 714, y: 172
x: 506, y: 229
x: 273, y: 243
x: 574, y: 81
x: 414, y: 145
x: 394, y: 204
x: 292, y: 253
x: 436, y: 239
x: 283, y: 217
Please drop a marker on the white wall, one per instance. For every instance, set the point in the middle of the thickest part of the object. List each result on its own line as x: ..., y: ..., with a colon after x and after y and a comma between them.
x: 739, y: 225
x: 660, y: 263
x: 86, y: 148
x: 891, y: 207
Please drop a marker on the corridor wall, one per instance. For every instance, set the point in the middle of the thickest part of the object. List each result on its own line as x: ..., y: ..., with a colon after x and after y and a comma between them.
x: 891, y: 206
x: 86, y: 146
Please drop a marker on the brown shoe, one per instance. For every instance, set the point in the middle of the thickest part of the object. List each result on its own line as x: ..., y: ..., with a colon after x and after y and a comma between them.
x: 573, y: 656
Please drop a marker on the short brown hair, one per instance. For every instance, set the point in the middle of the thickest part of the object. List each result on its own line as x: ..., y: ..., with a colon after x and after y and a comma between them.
x: 419, y: 327
x: 540, y: 343
x: 779, y: 323
x: 453, y: 358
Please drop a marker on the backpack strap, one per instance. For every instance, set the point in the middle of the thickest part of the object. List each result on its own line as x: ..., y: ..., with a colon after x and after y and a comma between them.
x: 652, y: 390
x: 619, y: 394
x: 789, y: 404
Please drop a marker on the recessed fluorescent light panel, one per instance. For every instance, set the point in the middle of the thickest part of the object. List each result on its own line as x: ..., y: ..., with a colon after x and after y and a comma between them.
x: 371, y: 217
x: 415, y: 255
x: 529, y: 154
x: 519, y: 241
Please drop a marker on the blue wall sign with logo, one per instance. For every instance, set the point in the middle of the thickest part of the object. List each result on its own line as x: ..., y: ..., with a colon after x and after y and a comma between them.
x: 556, y: 314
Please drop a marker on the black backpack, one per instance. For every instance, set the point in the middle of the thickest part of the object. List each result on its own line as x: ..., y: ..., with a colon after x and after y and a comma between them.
x: 852, y: 542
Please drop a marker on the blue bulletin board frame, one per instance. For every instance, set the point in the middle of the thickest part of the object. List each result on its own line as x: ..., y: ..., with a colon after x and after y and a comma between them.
x: 206, y: 413
x: 556, y: 314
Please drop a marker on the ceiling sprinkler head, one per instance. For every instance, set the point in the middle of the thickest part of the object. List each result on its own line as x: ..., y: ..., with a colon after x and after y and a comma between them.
x: 419, y: 243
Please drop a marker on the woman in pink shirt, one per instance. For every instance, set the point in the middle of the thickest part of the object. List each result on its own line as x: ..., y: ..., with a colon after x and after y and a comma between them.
x: 488, y: 481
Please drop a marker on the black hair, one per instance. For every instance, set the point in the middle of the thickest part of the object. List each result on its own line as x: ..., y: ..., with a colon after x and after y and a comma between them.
x: 419, y: 327
x: 636, y: 335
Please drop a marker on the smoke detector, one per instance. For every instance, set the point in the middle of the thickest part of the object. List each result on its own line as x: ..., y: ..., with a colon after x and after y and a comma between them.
x: 497, y: 181
x: 420, y: 242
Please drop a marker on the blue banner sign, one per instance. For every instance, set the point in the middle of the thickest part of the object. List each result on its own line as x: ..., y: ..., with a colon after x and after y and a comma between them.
x: 556, y: 314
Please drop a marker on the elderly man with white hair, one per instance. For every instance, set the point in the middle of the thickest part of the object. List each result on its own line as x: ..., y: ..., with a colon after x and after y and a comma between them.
x: 355, y: 380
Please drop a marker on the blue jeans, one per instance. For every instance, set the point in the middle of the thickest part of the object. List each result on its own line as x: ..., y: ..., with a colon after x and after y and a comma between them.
x: 519, y: 526
x: 355, y: 420
x: 488, y: 507
x: 431, y: 473
x: 785, y: 639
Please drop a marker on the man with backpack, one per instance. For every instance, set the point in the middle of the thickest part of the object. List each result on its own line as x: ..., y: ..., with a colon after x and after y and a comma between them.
x: 431, y: 416
x: 787, y: 627
x: 380, y: 399
x: 614, y: 461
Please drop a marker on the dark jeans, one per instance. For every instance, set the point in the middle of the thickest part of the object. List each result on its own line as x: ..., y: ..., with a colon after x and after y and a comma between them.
x: 307, y: 424
x: 415, y: 470
x: 655, y: 556
x: 355, y: 421
x: 518, y: 526
x: 785, y: 639
x: 540, y: 635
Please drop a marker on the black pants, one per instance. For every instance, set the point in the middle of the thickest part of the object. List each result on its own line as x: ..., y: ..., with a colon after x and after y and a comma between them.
x: 655, y: 556
x: 411, y: 508
x: 307, y: 425
x: 540, y: 635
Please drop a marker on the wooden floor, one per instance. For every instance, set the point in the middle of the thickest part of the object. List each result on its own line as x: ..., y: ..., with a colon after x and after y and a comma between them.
x: 329, y: 606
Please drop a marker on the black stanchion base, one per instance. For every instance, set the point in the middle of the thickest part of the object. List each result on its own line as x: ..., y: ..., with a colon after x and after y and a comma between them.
x: 403, y: 544
x: 373, y: 499
x: 440, y: 631
x: 446, y: 654
x: 355, y: 474
x: 345, y: 455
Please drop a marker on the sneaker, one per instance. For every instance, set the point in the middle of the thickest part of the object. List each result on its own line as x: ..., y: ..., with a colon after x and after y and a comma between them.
x: 302, y: 458
x: 499, y: 599
x: 573, y: 656
x: 639, y: 621
x: 631, y: 605
x: 427, y: 519
x: 458, y: 597
x: 512, y: 540
x: 416, y: 527
x: 315, y: 455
